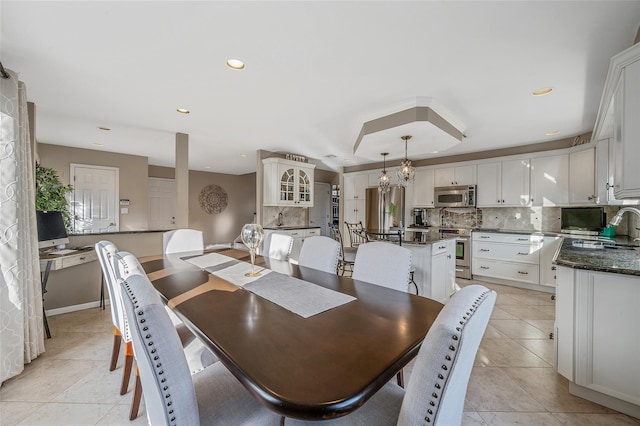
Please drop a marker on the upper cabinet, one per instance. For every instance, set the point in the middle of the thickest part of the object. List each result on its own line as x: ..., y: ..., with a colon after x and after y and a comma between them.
x: 423, y: 195
x: 287, y: 183
x: 503, y: 184
x: 550, y: 180
x: 582, y: 177
x: 618, y: 121
x: 461, y: 175
x: 355, y: 186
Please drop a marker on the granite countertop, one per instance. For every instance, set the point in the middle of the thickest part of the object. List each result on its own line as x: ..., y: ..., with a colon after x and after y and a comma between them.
x: 621, y: 258
x: 518, y: 231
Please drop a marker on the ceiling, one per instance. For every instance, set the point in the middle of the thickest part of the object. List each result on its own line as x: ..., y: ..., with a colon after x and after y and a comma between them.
x: 315, y: 73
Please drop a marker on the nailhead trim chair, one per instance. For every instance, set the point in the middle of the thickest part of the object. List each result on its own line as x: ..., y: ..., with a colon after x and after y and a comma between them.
x: 321, y: 253
x: 212, y: 396
x: 437, y: 387
x: 277, y: 246
x: 180, y: 240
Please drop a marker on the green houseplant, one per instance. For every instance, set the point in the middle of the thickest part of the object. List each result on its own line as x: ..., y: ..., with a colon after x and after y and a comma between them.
x: 51, y: 194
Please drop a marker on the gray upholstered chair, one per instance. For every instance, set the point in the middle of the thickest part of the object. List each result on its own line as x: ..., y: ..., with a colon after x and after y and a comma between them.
x: 277, y: 246
x: 181, y: 240
x: 105, y: 251
x: 384, y: 264
x: 197, y: 354
x: 320, y: 253
x: 437, y: 387
x: 172, y: 396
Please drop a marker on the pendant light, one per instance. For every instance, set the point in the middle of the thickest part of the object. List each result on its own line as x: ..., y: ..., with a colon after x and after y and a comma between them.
x: 384, y: 181
x: 406, y: 172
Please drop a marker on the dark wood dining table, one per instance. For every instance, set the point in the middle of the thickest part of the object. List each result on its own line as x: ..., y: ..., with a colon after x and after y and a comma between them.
x: 319, y: 367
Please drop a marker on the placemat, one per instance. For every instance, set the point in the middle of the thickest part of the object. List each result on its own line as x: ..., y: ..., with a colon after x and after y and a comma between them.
x: 210, y: 260
x: 300, y: 297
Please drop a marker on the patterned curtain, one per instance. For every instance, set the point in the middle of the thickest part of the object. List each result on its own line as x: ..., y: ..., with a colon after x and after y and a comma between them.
x: 21, y: 329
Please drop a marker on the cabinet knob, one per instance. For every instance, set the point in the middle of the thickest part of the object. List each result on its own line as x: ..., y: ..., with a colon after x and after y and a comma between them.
x: 498, y: 201
x: 449, y: 256
x: 502, y: 201
x: 607, y: 186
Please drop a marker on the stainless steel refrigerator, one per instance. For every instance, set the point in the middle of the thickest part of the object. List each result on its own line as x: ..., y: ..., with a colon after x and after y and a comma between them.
x: 384, y: 209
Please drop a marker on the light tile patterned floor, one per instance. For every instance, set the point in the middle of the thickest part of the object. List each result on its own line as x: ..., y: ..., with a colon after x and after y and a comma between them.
x: 513, y: 381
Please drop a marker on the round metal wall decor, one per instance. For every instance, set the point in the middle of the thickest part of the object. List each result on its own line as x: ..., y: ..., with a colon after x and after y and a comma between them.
x: 213, y: 199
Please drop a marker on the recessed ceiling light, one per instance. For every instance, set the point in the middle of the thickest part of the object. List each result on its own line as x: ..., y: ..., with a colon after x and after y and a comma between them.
x: 347, y: 160
x: 243, y: 155
x: 97, y: 144
x: 106, y: 129
x: 235, y: 64
x: 207, y: 167
x: 183, y: 111
x: 553, y: 133
x: 542, y: 92
x: 434, y: 152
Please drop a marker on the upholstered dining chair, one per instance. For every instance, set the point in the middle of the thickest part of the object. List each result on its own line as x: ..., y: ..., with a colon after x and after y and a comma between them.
x: 277, y: 246
x: 197, y: 354
x: 319, y: 252
x: 180, y: 240
x: 105, y: 251
x: 384, y: 264
x: 212, y: 396
x: 437, y: 387
x: 347, y: 254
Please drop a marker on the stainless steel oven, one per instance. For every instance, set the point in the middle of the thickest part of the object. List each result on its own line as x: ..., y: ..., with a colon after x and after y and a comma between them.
x: 463, y: 249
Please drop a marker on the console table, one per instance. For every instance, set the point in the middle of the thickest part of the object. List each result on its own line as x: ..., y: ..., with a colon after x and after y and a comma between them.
x: 49, y: 261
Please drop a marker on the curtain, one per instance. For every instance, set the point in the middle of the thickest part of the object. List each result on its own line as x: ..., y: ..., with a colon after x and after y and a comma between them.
x: 21, y: 328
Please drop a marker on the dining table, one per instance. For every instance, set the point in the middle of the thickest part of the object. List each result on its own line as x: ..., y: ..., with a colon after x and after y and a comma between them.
x: 307, y: 344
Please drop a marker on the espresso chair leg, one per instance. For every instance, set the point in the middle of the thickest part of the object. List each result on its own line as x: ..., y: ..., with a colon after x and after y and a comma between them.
x: 137, y: 395
x: 117, y: 340
x: 128, y: 363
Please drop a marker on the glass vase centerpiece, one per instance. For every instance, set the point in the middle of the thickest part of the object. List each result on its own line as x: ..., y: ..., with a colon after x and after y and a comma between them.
x: 252, y: 235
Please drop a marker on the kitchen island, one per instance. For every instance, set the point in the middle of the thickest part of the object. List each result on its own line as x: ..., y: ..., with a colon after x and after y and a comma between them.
x: 597, y: 338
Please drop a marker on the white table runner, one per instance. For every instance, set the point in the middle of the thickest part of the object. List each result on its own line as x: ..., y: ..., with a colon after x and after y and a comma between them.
x: 210, y: 260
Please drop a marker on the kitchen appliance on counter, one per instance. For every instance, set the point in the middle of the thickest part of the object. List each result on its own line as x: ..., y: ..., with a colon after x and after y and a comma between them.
x: 463, y: 249
x: 455, y: 196
x: 384, y: 209
x: 582, y: 220
x: 420, y: 218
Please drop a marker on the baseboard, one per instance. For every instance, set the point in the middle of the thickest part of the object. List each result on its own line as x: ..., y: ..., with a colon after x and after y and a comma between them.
x: 542, y: 288
x: 74, y: 308
x: 606, y: 400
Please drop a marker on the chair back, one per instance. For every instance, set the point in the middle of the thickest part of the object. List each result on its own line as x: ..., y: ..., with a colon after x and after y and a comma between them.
x: 169, y: 394
x: 337, y: 235
x: 438, y: 383
x: 181, y: 240
x: 320, y: 253
x: 277, y: 246
x: 125, y: 264
x: 384, y: 264
x: 105, y: 251
x: 357, y: 235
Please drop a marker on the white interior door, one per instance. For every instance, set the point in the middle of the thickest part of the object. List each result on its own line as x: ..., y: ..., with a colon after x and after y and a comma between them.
x: 320, y: 213
x: 94, y: 200
x: 162, y: 203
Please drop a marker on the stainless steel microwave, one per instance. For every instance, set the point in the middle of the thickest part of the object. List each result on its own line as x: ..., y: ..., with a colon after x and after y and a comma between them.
x: 455, y: 196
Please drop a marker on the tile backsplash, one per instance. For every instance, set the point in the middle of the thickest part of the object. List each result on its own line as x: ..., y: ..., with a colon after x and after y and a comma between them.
x: 517, y: 218
x: 291, y: 216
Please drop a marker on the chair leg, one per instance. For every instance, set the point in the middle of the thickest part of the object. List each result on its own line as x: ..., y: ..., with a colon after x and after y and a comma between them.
x: 117, y: 340
x: 137, y: 395
x: 400, y: 378
x: 128, y: 362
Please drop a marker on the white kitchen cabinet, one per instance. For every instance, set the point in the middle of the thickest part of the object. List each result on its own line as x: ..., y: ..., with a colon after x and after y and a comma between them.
x: 597, y: 338
x: 287, y: 183
x: 434, y: 266
x: 547, y: 268
x: 618, y: 121
x: 582, y: 177
x: 507, y: 258
x: 355, y: 185
x: 423, y: 195
x: 354, y: 210
x: 550, y: 180
x: 605, y: 167
x: 461, y: 175
x: 503, y: 184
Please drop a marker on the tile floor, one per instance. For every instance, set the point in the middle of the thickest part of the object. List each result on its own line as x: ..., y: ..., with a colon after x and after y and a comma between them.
x: 513, y: 380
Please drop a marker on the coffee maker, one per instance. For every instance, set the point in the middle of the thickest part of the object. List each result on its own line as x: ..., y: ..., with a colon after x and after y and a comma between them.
x: 420, y: 218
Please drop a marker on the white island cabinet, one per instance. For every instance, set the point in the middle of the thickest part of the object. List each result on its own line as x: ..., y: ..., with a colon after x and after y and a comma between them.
x: 435, y: 268
x: 597, y: 338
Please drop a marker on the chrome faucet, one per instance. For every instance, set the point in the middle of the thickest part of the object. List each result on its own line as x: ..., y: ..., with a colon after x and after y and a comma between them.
x: 280, y: 219
x: 615, y: 221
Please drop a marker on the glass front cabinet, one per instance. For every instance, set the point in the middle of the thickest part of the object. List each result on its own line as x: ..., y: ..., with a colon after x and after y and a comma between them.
x: 287, y: 183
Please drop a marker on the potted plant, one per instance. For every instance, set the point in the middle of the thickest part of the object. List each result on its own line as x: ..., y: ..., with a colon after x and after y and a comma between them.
x: 51, y: 194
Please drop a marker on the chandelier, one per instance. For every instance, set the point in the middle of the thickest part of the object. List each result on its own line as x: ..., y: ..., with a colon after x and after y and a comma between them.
x: 406, y: 172
x: 384, y: 181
